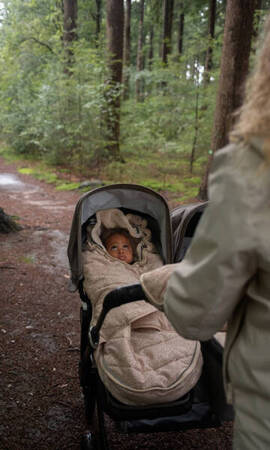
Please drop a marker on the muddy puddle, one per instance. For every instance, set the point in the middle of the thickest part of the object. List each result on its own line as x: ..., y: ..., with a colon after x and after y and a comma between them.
x: 35, y: 197
x: 29, y: 193
x: 9, y: 181
x: 12, y: 184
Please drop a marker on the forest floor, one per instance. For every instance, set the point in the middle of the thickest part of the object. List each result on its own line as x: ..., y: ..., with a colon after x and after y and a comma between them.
x: 40, y: 399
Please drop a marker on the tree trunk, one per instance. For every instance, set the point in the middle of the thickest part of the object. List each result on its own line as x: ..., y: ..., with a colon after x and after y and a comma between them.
x: 127, y: 44
x: 140, y: 59
x: 181, y: 30
x: 211, y: 34
x: 115, y: 33
x: 233, y: 71
x: 151, y: 48
x: 98, y: 20
x: 196, y: 129
x: 258, y: 11
x: 167, y: 30
x: 70, y: 18
x: 7, y: 224
x: 234, y: 66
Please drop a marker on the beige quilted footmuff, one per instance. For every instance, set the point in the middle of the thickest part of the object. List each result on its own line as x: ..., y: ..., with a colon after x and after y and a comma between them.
x: 140, y: 358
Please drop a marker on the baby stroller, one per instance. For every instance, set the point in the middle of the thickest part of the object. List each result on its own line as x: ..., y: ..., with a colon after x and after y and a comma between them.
x: 205, y: 405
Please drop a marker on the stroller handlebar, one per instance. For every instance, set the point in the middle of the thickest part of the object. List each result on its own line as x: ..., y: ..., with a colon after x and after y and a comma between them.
x: 117, y: 297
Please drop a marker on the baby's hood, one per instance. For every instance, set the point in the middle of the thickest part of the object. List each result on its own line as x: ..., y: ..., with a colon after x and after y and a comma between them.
x: 135, y: 225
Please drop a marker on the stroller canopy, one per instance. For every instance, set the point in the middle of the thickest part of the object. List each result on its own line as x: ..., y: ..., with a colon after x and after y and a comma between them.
x: 128, y: 196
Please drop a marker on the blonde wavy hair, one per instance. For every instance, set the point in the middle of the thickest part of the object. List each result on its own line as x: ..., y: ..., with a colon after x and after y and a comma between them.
x: 254, y: 115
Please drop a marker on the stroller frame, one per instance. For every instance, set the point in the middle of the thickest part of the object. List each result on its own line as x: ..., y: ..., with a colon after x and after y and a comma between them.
x: 203, y: 407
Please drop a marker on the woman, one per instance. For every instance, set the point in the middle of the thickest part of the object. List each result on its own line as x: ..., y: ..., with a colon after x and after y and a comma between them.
x: 225, y: 276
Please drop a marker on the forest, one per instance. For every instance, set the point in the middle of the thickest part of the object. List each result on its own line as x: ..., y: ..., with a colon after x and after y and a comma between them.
x: 139, y: 91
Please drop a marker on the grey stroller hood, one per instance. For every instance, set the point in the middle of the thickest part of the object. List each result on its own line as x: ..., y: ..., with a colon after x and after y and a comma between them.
x: 143, y: 200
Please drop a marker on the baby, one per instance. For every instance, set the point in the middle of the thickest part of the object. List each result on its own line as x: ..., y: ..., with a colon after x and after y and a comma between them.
x: 118, y: 244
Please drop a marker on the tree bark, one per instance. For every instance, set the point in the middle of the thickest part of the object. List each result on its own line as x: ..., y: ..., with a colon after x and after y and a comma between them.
x: 181, y: 30
x: 233, y: 71
x: 98, y: 20
x: 211, y: 34
x: 151, y: 47
x: 234, y: 66
x: 7, y: 224
x: 196, y: 129
x: 127, y: 44
x: 140, y: 59
x: 115, y: 33
x: 167, y: 30
x: 258, y: 8
x: 70, y: 18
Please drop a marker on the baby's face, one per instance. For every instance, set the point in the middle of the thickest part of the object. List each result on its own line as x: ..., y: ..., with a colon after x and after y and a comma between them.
x: 119, y: 246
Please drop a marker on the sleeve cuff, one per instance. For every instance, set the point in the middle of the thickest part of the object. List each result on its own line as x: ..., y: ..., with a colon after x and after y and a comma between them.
x: 154, y: 284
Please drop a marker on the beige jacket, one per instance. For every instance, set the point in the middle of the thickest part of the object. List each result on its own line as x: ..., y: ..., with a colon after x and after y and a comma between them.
x: 225, y: 275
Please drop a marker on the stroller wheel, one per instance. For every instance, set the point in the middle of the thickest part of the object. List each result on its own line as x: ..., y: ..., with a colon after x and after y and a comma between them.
x: 87, y: 441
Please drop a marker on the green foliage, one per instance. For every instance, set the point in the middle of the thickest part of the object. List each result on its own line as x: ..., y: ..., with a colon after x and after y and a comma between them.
x: 26, y: 170
x: 67, y: 186
x: 165, y: 120
x: 45, y: 112
x: 55, y: 115
x: 43, y: 173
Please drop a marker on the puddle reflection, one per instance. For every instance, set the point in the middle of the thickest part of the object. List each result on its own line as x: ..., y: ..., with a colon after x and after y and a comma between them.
x: 8, y: 179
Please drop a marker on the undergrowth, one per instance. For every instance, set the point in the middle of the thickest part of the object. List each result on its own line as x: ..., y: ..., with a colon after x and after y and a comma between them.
x: 165, y: 173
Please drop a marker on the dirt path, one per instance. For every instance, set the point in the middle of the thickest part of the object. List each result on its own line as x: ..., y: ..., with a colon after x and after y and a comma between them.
x: 40, y: 400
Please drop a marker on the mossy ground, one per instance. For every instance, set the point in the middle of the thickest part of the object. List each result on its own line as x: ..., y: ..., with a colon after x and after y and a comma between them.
x: 168, y: 173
